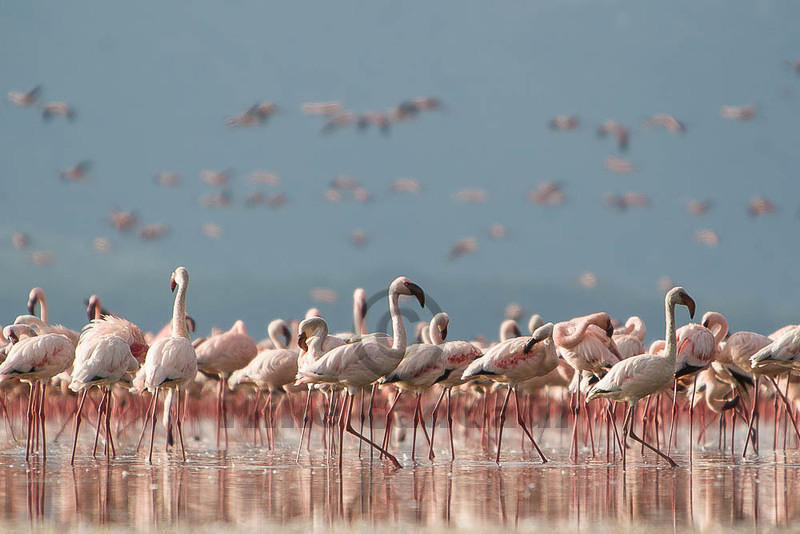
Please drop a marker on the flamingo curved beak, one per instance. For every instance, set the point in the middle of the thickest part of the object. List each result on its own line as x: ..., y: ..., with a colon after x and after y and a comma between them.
x: 689, y: 302
x: 301, y: 341
x: 287, y: 334
x: 416, y: 291
x: 32, y: 305
x: 444, y: 333
x: 190, y: 324
x: 172, y: 283
x: 609, y: 328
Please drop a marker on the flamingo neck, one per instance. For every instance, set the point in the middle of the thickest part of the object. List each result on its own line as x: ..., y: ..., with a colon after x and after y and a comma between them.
x: 275, y: 336
x: 398, y: 328
x: 570, y: 340
x: 435, y: 334
x: 671, y: 343
x: 43, y: 309
x: 179, y: 328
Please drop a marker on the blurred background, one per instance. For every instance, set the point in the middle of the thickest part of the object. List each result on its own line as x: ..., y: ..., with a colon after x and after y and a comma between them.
x: 435, y: 157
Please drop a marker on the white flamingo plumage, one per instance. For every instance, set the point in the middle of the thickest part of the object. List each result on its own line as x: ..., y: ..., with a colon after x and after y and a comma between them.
x: 171, y: 363
x: 367, y: 359
x: 634, y: 378
x: 630, y: 338
x: 35, y: 359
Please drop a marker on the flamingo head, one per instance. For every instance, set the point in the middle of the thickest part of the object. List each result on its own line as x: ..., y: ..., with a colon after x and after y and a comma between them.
x: 93, y: 307
x: 441, y: 321
x: 34, y: 297
x: 404, y: 286
x: 14, y: 332
x: 678, y: 295
x: 180, y: 277
x: 190, y: 324
x: 360, y: 301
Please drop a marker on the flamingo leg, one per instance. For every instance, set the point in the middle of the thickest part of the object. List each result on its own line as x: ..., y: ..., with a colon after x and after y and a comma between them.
x: 30, y: 423
x: 146, y: 418
x: 42, y: 423
x: 153, y: 428
x: 674, y: 417
x: 691, y: 416
x: 352, y: 430
x: 449, y: 427
x: 362, y: 417
x: 109, y: 435
x: 388, y: 429
x: 502, y: 423
x: 77, y: 426
x: 433, y: 426
x: 371, y: 425
x: 753, y: 415
x: 341, y: 423
x: 786, y: 405
x: 306, y: 413
x: 6, y: 417
x: 521, y: 422
x: 179, y: 422
x: 100, y: 408
x: 655, y: 450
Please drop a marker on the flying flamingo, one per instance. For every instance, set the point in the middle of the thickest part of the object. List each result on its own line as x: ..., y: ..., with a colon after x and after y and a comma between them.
x: 171, y: 362
x: 221, y: 355
x: 633, y: 378
x: 35, y: 359
x: 109, y: 348
x: 270, y: 370
x: 514, y: 361
x: 367, y: 359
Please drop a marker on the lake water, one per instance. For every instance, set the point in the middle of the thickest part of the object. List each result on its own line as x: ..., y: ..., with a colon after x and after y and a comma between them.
x: 248, y: 486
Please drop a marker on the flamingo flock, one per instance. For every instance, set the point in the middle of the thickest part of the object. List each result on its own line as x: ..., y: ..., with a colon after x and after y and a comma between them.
x: 571, y: 371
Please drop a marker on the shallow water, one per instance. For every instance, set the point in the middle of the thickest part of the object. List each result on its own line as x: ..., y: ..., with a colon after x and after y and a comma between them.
x: 247, y: 485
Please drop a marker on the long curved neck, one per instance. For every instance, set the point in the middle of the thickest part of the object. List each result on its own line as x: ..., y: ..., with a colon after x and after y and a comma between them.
x: 398, y: 328
x: 435, y: 333
x: 179, y: 328
x: 322, y: 331
x: 570, y: 340
x: 638, y: 328
x: 359, y: 322
x: 275, y: 336
x: 43, y: 308
x: 671, y: 343
x: 719, y: 329
x: 98, y: 306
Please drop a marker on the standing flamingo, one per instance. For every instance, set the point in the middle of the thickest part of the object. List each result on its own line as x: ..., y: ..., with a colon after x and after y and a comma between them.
x: 171, y: 362
x: 221, y: 355
x: 35, y: 359
x: 367, y: 359
x: 456, y: 355
x: 270, y: 371
x: 314, y: 343
x: 109, y: 348
x: 639, y: 376
x: 41, y: 323
x: 586, y: 344
x: 630, y: 339
x: 514, y: 361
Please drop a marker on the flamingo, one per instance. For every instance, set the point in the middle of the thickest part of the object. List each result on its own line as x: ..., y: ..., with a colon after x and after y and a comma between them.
x: 314, y: 343
x: 422, y: 365
x: 41, y: 323
x: 26, y: 99
x: 221, y: 355
x: 35, y: 359
x: 780, y: 355
x: 514, y: 361
x: 270, y: 370
x: 630, y: 339
x: 634, y: 378
x: 109, y: 348
x: 367, y: 359
x: 456, y: 355
x: 171, y: 362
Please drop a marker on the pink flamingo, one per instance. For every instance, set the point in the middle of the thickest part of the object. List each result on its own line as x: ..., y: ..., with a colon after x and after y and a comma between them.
x: 639, y: 376
x: 630, y: 338
x: 221, y: 355
x: 109, y: 348
x: 514, y: 361
x: 35, y: 359
x: 367, y: 359
x: 270, y: 371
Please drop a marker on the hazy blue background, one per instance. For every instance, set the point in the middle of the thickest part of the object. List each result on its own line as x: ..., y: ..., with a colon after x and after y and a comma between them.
x: 154, y: 81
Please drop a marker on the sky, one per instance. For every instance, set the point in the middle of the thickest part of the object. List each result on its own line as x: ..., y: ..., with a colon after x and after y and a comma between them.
x: 153, y: 83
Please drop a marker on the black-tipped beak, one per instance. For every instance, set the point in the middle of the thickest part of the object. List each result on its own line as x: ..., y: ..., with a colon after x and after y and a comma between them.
x: 417, y: 292
x: 190, y: 324
x: 301, y: 341
x: 90, y: 311
x: 32, y: 305
x: 172, y: 284
x: 529, y: 345
x: 13, y: 338
x: 691, y: 305
x: 364, y: 311
x: 444, y: 333
x: 609, y: 328
x: 705, y: 324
